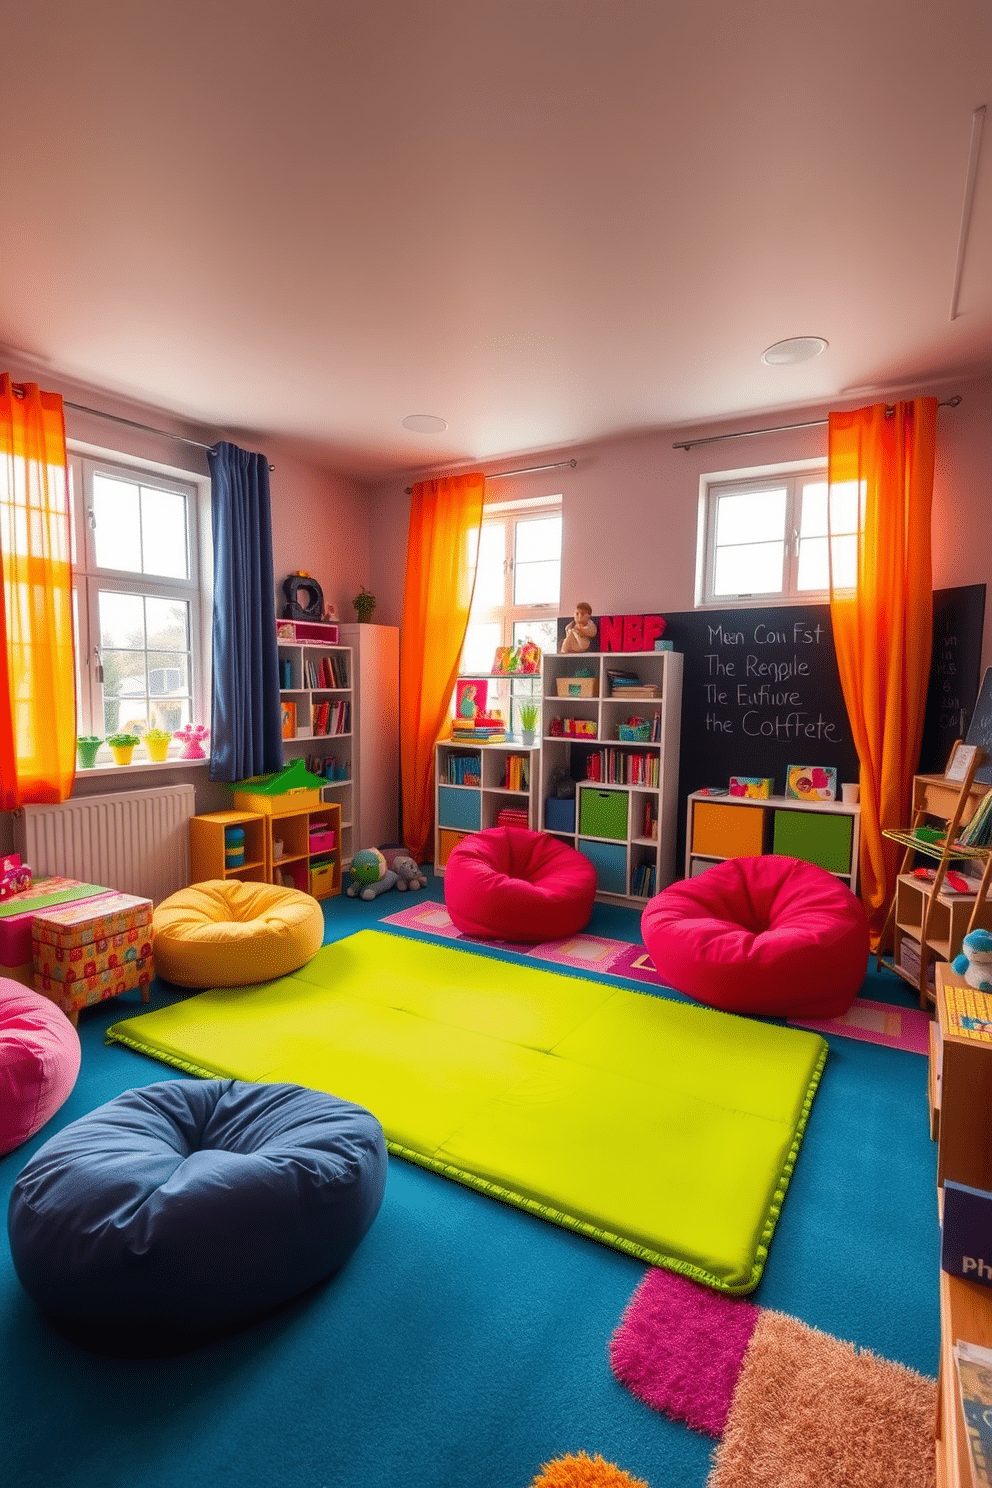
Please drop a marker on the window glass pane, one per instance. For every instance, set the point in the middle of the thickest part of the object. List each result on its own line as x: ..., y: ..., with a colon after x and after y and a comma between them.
x: 122, y: 620
x: 117, y: 514
x: 813, y: 510
x: 538, y: 539
x: 844, y: 504
x: 77, y: 662
x: 813, y: 572
x: 543, y: 633
x: 489, y: 581
x: 163, y: 529
x: 481, y: 640
x: 750, y: 516
x: 754, y: 568
x: 168, y: 623
x: 168, y: 674
x: 537, y: 583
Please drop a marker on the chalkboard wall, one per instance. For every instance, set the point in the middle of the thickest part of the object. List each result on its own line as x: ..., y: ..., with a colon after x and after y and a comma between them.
x: 761, y: 690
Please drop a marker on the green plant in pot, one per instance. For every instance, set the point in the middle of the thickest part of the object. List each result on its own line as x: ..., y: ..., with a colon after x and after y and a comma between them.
x: 87, y: 746
x: 528, y: 714
x: 364, y: 602
x: 123, y: 746
x: 157, y: 744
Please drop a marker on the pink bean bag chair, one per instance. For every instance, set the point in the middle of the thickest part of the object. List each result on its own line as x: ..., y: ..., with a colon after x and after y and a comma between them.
x: 509, y: 883
x: 39, y: 1062
x: 769, y: 935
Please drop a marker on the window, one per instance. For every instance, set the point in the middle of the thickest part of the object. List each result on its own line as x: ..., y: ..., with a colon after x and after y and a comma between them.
x: 136, y: 599
x: 763, y: 537
x: 517, y: 581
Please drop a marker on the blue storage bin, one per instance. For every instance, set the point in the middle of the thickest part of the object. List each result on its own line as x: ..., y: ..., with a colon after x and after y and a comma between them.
x: 610, y: 863
x: 559, y: 815
x: 459, y: 808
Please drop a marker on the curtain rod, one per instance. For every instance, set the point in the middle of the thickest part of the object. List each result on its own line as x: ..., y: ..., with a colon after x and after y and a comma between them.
x: 132, y: 423
x: 687, y: 444
x: 530, y: 470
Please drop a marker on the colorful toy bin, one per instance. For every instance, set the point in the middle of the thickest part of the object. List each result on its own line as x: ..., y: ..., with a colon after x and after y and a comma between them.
x: 85, y: 953
x: 234, y: 847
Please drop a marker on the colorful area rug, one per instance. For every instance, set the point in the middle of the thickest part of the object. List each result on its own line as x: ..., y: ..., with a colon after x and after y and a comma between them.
x: 795, y: 1408
x: 872, y: 1022
x: 666, y: 1130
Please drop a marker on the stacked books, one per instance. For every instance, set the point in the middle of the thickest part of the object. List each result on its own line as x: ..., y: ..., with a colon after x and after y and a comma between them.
x: 330, y: 718
x: 629, y: 685
x: 463, y: 769
x: 484, y: 728
x: 516, y: 773
x: 508, y: 817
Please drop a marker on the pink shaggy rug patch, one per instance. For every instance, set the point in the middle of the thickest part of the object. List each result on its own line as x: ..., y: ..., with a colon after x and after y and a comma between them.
x: 679, y: 1347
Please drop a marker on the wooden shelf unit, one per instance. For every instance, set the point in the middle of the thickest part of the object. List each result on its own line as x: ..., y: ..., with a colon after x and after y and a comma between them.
x: 926, y: 921
x: 463, y: 809
x: 828, y: 833
x: 333, y: 756
x: 961, y: 1118
x: 207, y: 852
x: 624, y: 856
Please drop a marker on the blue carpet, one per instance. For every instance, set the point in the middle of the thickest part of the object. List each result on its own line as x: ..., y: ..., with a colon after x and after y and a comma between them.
x: 464, y: 1344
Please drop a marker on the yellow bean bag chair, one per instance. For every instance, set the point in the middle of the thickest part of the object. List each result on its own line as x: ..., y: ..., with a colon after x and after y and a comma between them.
x: 228, y: 933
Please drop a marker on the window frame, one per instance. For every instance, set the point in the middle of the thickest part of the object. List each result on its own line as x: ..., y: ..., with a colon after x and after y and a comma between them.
x: 89, y: 578
x: 508, y: 614
x: 714, y: 484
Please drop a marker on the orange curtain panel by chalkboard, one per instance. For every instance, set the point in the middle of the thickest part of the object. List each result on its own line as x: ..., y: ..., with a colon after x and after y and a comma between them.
x: 881, y: 463
x: 440, y: 578
x: 37, y: 678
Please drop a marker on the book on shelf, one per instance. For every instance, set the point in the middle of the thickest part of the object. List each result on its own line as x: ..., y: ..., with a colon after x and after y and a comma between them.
x: 969, y: 1012
x: 973, y: 1365
x: 966, y: 1232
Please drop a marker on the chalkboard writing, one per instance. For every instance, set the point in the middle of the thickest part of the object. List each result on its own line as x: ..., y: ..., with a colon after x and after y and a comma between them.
x: 760, y: 692
x: 980, y: 728
x: 958, y: 621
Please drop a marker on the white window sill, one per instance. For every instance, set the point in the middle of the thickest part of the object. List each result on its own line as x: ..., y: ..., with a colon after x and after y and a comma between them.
x: 140, y: 767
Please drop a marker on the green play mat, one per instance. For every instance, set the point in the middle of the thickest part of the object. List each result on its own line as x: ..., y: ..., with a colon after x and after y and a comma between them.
x: 664, y: 1129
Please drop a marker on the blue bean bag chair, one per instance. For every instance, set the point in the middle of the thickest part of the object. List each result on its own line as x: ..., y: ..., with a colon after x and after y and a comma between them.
x: 179, y: 1210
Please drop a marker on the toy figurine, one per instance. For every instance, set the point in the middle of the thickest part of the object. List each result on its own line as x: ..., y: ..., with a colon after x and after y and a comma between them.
x: 580, y: 631
x: 974, y: 962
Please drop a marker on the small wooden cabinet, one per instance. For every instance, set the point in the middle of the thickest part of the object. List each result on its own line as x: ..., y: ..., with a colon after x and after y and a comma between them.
x: 827, y: 833
x: 301, y: 849
x: 961, y: 1120
x: 207, y: 852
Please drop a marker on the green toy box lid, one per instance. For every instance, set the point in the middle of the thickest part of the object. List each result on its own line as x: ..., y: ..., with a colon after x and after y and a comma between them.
x: 293, y: 777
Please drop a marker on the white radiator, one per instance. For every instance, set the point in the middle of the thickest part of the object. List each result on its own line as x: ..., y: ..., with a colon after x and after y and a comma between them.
x: 137, y: 841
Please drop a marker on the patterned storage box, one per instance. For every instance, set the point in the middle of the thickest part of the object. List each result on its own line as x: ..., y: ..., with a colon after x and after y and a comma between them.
x: 85, y: 953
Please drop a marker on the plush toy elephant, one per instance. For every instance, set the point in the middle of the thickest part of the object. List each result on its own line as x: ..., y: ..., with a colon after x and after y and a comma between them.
x: 408, y: 874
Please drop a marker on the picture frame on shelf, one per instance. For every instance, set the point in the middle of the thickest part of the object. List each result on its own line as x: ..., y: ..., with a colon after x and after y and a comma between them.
x: 811, y: 783
x: 288, y: 718
x: 471, y: 698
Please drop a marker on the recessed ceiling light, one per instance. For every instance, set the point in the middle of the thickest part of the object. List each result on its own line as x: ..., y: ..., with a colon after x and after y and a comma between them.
x: 425, y: 423
x: 796, y: 349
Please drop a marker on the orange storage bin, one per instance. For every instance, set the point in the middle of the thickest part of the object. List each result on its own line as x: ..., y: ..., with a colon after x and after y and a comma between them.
x: 728, y: 831
x: 445, y: 842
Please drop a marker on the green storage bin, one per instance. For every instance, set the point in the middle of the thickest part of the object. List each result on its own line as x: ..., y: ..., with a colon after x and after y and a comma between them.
x: 824, y: 839
x: 603, y: 813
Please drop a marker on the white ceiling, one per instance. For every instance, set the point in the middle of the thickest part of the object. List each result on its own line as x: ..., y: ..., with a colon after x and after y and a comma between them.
x: 544, y: 222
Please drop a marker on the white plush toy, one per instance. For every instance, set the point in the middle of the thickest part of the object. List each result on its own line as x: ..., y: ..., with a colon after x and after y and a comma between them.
x: 975, y: 960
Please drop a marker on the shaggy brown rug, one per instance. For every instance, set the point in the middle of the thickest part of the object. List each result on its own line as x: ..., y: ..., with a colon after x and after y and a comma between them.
x: 812, y: 1412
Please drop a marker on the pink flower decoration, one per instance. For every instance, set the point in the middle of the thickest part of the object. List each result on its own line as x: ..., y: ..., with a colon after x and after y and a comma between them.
x: 192, y: 736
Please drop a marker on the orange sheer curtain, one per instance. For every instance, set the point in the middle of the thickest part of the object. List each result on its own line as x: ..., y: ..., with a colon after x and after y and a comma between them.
x: 438, y: 597
x: 883, y: 628
x: 37, y: 677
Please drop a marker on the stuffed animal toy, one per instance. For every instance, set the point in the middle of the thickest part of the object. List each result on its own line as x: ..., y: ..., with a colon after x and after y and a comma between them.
x: 408, y: 874
x: 975, y: 960
x: 370, y: 876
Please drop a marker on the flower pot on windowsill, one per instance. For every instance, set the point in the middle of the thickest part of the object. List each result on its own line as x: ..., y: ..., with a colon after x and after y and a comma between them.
x: 157, y: 744
x: 87, y: 749
x: 123, y: 747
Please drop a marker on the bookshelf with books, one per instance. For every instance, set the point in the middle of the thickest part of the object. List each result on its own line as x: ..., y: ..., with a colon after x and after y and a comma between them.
x: 611, y: 721
x: 316, y: 697
x: 482, y: 784
x: 961, y: 1122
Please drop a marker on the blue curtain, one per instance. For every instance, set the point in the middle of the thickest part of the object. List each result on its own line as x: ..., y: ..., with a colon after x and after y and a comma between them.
x: 246, y: 722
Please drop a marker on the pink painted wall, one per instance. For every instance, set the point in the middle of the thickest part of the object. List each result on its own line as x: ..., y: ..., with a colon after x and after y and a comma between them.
x: 631, y: 505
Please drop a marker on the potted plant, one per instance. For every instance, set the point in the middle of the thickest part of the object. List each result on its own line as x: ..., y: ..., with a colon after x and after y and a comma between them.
x: 123, y: 747
x: 364, y: 602
x: 157, y: 741
x: 528, y: 715
x: 86, y: 748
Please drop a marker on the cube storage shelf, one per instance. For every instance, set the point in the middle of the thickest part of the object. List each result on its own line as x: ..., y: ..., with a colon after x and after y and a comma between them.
x: 279, y: 847
x: 463, y: 808
x: 305, y: 670
x: 827, y: 833
x: 625, y: 823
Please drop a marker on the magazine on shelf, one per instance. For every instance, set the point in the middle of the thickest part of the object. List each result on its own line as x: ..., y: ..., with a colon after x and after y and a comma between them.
x: 974, y: 1371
